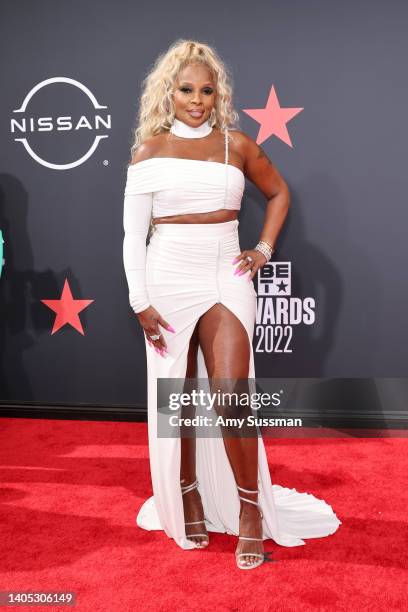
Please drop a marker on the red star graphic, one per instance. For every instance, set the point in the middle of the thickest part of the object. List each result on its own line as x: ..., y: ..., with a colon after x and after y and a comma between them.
x: 273, y: 119
x: 67, y: 309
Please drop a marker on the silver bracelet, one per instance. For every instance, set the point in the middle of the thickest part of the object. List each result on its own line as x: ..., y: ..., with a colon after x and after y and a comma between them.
x: 265, y: 248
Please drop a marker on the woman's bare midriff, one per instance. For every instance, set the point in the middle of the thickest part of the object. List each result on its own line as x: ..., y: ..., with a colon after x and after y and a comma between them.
x: 216, y: 216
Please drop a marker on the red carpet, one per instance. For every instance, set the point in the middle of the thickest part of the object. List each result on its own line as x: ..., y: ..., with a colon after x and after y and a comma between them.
x: 71, y: 489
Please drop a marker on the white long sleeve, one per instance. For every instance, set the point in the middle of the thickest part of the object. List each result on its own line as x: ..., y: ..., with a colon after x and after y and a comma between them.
x: 137, y: 209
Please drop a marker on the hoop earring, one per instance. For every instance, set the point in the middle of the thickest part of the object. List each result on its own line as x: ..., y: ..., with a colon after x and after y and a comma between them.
x: 170, y: 122
x: 212, y: 119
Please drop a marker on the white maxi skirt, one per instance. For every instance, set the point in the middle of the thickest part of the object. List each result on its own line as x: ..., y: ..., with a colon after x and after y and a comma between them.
x: 188, y: 270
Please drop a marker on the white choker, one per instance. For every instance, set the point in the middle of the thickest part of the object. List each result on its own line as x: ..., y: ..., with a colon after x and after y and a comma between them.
x: 179, y: 128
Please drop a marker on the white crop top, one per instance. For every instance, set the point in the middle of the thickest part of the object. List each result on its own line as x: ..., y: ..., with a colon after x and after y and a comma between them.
x: 165, y: 186
x: 184, y: 186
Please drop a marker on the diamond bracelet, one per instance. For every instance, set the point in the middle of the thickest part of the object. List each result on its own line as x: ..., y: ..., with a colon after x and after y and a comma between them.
x: 265, y: 248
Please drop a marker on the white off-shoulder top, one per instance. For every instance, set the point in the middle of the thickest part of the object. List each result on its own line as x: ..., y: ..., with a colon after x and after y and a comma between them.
x: 165, y: 186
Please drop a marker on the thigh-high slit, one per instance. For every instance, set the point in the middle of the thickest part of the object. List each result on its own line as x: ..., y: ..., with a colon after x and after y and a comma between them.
x: 188, y: 270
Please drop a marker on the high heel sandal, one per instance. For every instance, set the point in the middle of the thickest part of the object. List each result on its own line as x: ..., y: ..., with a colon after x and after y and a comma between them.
x: 254, y: 564
x: 184, y: 490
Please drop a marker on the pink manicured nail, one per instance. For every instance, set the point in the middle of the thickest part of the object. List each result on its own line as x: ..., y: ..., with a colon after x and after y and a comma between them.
x: 236, y: 271
x: 242, y: 272
x: 170, y: 328
x: 235, y: 260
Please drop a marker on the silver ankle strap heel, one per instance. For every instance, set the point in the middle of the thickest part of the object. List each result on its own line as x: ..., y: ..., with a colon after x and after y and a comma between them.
x: 186, y: 489
x: 249, y: 554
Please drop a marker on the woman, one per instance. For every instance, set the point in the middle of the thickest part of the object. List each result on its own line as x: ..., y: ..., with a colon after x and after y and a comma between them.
x: 193, y: 293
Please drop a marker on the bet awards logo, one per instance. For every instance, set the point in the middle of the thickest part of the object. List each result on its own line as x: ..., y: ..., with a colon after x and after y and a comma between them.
x: 277, y: 311
x: 60, y: 120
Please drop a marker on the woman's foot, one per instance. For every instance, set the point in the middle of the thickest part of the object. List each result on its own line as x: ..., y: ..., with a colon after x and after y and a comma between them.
x: 196, y: 530
x: 251, y: 551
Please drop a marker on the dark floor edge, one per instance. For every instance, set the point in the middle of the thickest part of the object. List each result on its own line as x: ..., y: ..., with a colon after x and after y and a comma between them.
x: 333, y: 418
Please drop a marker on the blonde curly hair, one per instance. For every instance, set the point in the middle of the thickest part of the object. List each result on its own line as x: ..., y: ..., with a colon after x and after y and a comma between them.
x: 156, y: 109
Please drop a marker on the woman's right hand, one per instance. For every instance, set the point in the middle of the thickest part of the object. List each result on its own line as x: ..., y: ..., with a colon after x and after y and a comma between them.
x: 150, y: 320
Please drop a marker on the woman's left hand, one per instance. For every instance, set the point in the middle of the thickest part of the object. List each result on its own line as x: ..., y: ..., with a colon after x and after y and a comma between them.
x: 258, y: 261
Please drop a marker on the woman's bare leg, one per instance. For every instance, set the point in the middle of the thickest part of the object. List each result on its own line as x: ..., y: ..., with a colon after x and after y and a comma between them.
x: 226, y: 350
x: 193, y: 509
